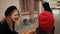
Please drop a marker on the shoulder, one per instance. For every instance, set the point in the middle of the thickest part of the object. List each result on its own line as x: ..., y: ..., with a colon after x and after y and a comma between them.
x: 3, y: 23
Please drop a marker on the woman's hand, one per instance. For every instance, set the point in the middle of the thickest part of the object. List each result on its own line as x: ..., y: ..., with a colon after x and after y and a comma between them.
x: 9, y: 22
x: 42, y: 1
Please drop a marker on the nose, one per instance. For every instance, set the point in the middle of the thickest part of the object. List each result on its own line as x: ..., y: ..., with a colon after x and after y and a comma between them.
x: 17, y: 16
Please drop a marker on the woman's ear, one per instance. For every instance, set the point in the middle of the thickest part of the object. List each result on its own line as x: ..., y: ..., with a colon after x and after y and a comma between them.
x: 8, y: 18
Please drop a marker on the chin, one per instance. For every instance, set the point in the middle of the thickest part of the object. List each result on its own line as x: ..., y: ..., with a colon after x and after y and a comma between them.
x: 15, y: 20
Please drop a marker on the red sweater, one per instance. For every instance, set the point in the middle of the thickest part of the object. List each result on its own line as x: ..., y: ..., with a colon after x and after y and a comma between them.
x: 46, y: 21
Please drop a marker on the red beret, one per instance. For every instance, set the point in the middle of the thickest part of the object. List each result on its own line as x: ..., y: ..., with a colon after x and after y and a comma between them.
x: 46, y: 21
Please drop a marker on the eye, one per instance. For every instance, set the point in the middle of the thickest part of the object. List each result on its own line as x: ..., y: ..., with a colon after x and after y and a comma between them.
x: 16, y: 15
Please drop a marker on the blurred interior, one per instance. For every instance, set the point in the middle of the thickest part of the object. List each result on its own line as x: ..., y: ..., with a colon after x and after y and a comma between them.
x: 29, y: 12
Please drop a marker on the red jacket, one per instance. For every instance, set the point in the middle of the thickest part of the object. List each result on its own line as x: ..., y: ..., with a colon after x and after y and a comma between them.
x: 46, y: 21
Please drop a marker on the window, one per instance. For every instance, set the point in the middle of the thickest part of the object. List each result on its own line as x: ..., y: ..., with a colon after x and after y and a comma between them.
x: 24, y: 5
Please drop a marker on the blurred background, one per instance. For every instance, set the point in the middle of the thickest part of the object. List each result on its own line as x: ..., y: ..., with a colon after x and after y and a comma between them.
x: 29, y: 12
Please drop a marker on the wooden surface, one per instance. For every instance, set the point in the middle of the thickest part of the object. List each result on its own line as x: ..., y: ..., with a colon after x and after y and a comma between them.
x: 30, y: 31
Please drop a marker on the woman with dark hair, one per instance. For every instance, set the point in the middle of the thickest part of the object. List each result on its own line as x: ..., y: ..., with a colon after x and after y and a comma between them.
x: 8, y: 24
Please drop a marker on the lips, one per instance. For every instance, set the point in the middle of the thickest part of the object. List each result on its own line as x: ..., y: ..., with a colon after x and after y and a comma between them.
x: 15, y: 18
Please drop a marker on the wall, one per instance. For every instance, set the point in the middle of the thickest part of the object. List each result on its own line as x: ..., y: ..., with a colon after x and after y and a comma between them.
x: 4, y: 4
x: 40, y: 7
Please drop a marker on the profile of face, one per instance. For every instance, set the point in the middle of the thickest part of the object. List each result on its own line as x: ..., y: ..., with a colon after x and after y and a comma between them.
x: 14, y: 15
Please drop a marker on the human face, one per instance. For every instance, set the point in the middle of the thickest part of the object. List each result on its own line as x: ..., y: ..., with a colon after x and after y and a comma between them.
x: 15, y: 15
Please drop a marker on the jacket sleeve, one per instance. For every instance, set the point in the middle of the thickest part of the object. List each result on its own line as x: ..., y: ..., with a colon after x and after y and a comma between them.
x: 47, y: 7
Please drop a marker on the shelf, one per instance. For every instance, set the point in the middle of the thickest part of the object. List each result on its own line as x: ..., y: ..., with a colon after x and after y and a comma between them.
x: 25, y: 13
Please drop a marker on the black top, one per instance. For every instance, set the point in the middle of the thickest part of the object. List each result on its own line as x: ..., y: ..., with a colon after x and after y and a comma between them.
x: 4, y: 28
x: 47, y: 7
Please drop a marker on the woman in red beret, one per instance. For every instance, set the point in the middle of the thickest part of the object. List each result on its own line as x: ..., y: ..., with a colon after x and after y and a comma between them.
x: 46, y: 20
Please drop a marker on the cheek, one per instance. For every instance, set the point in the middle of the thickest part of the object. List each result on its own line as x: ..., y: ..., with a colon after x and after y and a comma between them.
x: 12, y: 17
x: 15, y: 17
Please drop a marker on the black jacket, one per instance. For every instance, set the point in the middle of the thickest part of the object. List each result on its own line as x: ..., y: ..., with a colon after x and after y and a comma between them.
x: 4, y: 28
